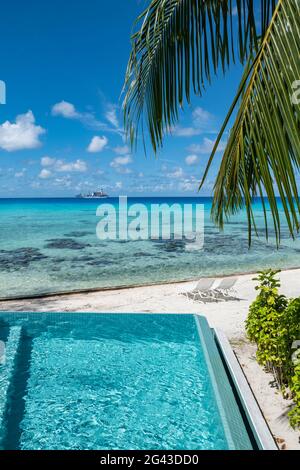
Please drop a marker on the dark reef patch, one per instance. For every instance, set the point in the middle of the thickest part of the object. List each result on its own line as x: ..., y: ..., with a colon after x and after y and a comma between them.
x: 142, y: 254
x: 58, y: 260
x: 77, y: 234
x: 65, y: 243
x: 19, y: 258
x: 171, y: 246
x: 83, y: 259
x: 101, y: 262
x: 93, y: 261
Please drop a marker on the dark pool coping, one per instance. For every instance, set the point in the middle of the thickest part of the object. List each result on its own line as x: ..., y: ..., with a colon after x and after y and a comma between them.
x: 256, y: 420
x: 237, y: 431
x: 218, y: 349
x: 12, y: 347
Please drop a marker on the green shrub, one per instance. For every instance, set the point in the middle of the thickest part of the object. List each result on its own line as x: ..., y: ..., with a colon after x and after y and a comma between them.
x: 273, y: 324
x: 294, y: 415
x: 291, y: 323
x: 268, y: 299
x: 264, y: 324
x: 293, y: 366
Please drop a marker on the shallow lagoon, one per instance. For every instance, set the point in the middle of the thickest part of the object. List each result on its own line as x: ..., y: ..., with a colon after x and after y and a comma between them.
x: 50, y: 245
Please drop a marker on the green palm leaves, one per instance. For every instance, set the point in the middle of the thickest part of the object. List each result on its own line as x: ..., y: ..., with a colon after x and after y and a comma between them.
x: 263, y: 149
x: 179, y: 46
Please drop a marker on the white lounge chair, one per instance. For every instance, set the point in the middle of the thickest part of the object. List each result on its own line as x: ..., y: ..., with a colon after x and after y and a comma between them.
x: 225, y: 288
x: 202, y: 290
x: 204, y: 293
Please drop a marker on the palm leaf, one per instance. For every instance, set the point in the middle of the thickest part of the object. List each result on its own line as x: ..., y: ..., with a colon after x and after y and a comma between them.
x: 263, y: 151
x: 179, y: 45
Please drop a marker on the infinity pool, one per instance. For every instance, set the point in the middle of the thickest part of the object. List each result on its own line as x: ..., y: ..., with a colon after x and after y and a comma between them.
x: 114, y: 381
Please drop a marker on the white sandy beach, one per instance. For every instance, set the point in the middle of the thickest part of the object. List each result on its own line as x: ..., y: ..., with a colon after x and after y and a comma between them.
x: 228, y: 316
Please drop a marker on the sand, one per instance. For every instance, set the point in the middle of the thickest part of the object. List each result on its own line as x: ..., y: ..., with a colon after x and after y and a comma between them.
x: 228, y: 316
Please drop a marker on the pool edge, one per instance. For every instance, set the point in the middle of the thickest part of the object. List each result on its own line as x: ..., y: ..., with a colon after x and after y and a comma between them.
x: 256, y: 420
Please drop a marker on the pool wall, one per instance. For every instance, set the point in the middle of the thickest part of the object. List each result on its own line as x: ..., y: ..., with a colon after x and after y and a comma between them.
x: 11, y: 350
x: 234, y: 425
x: 237, y: 400
x: 257, y: 423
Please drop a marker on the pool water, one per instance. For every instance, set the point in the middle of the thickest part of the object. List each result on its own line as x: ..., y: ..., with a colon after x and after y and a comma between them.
x: 115, y: 381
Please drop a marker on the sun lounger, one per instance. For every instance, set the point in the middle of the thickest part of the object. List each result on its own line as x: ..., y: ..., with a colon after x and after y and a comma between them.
x: 204, y: 293
x: 202, y: 289
x: 225, y: 288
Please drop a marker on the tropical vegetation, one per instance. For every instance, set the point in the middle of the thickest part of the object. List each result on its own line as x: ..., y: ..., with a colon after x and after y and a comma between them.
x: 273, y: 324
x: 177, y: 48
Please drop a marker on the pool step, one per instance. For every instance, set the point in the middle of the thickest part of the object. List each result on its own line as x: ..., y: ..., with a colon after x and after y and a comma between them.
x: 7, y: 365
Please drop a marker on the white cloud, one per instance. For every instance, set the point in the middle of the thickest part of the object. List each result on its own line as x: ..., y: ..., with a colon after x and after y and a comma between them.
x: 191, y: 160
x: 203, y: 122
x: 122, y: 150
x: 176, y: 174
x: 47, y: 161
x: 64, y: 181
x: 119, y: 185
x: 161, y: 187
x: 189, y: 184
x: 65, y: 109
x: 20, y: 174
x: 21, y: 135
x: 111, y: 115
x: 35, y: 184
x: 97, y: 144
x: 185, y: 131
x: 202, y: 119
x: 123, y: 170
x: 78, y: 165
x: 62, y: 166
x: 45, y: 174
x: 68, y: 110
x: 121, y: 161
x: 206, y: 147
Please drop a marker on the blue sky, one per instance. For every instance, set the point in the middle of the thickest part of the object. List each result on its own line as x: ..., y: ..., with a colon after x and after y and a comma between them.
x: 61, y: 127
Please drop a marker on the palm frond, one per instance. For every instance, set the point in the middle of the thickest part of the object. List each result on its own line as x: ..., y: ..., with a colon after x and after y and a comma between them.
x: 179, y: 45
x: 263, y: 150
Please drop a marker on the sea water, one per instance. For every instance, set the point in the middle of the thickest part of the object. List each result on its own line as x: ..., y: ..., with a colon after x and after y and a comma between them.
x: 50, y: 245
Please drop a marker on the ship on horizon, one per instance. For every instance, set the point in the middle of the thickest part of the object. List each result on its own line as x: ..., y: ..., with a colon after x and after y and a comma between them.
x: 94, y: 195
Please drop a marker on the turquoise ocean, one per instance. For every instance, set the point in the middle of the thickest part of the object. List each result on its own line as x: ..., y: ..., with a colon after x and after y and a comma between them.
x: 50, y: 245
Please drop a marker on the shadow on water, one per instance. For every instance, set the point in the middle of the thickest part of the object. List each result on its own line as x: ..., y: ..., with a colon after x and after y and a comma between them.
x: 16, y: 404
